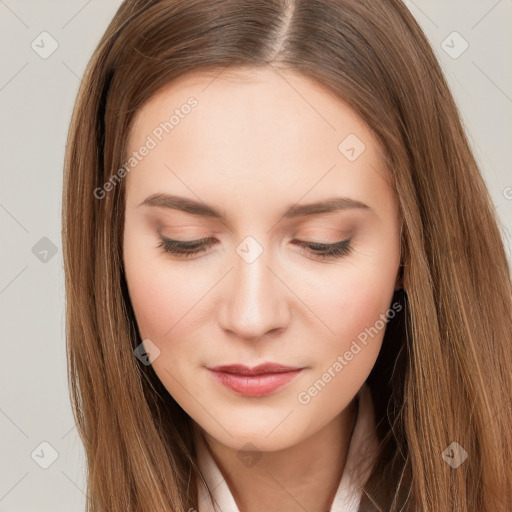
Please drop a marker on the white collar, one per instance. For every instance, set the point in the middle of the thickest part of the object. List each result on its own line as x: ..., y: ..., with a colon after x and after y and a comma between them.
x: 346, y: 499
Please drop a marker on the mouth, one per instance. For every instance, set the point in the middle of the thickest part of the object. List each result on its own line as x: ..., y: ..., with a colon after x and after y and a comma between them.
x: 260, y: 380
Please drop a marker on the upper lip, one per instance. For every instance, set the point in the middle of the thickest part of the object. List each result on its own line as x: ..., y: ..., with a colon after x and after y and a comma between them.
x: 241, y: 369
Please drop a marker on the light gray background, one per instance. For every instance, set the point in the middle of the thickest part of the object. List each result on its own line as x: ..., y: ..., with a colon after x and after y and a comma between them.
x: 36, y: 98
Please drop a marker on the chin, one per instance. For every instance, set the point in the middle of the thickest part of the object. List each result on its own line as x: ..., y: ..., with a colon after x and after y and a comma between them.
x: 246, y: 439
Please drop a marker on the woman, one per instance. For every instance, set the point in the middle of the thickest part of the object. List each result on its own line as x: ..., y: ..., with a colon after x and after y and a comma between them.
x: 286, y: 285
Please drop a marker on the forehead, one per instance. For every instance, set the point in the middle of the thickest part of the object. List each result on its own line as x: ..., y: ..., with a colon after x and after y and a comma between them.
x: 262, y: 131
x: 282, y: 104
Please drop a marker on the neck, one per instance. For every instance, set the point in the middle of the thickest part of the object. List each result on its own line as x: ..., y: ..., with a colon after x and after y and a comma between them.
x: 301, y: 477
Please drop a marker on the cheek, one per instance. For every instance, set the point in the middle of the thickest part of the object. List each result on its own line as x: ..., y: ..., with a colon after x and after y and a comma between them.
x: 344, y: 360
x: 158, y: 294
x: 353, y: 310
x: 160, y: 301
x: 168, y: 305
x: 353, y: 302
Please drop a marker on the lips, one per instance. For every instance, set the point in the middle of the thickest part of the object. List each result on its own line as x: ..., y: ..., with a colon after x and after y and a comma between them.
x: 258, y: 381
x: 240, y: 369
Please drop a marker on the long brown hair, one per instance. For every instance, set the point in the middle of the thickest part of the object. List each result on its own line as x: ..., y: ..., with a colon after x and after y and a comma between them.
x: 444, y: 374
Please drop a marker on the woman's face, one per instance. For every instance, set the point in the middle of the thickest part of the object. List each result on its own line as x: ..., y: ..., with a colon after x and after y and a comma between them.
x: 244, y: 155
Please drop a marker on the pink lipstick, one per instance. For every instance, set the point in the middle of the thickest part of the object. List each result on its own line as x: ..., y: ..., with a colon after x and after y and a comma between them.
x: 258, y: 381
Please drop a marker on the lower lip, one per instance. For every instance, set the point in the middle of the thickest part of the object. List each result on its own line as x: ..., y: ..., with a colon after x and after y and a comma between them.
x: 255, y: 385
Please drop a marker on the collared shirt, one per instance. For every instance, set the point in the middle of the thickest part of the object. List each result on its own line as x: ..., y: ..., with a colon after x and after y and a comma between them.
x: 347, y: 497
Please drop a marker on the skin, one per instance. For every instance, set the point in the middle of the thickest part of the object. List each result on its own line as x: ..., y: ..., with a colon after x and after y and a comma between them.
x: 257, y: 142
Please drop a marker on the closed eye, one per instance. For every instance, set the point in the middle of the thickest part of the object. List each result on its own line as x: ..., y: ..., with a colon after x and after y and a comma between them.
x: 193, y: 247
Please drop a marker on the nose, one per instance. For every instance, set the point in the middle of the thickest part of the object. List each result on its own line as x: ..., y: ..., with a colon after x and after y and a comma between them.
x: 255, y: 300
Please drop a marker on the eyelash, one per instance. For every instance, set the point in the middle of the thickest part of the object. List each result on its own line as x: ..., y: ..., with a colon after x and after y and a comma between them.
x: 319, y: 250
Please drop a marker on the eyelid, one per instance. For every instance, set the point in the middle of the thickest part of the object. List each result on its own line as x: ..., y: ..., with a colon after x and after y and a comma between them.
x: 321, y: 251
x: 188, y: 243
x: 206, y: 239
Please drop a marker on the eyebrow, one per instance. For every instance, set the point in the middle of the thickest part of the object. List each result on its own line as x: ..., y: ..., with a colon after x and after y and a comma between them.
x: 297, y: 210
